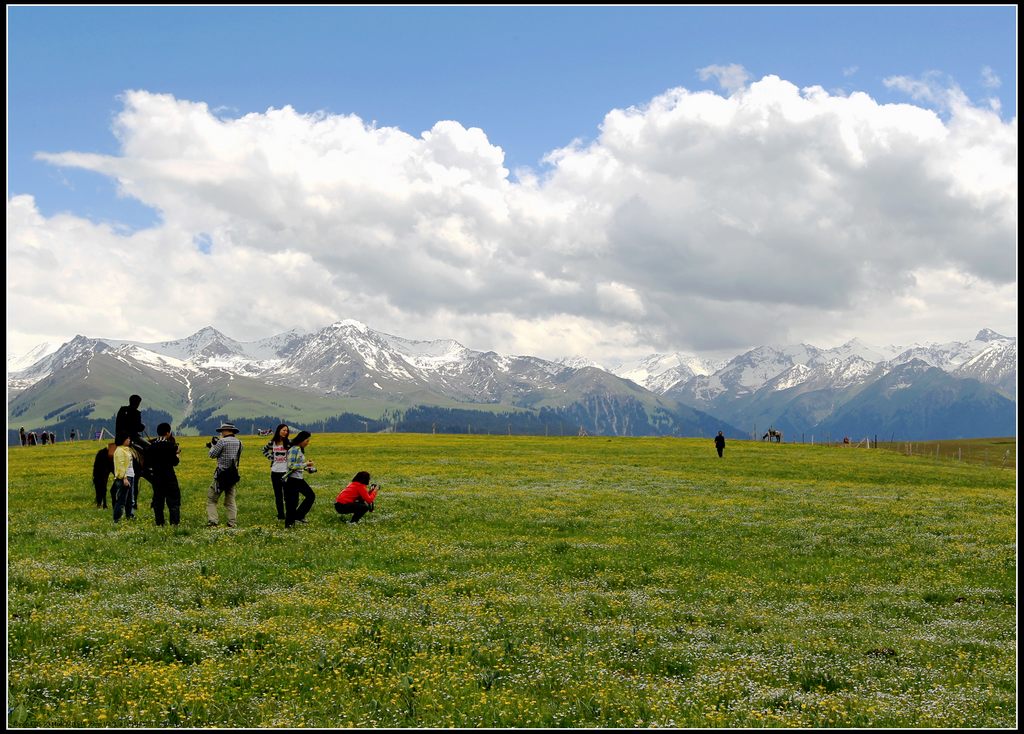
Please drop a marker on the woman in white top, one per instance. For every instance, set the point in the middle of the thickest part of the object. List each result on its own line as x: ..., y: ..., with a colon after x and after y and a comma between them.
x: 277, y: 452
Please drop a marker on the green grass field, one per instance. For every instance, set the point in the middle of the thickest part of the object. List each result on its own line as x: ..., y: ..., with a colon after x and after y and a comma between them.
x: 523, y: 582
x: 991, y: 452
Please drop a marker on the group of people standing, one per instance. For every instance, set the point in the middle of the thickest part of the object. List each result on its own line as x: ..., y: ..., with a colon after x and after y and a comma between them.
x: 129, y: 454
x: 44, y: 437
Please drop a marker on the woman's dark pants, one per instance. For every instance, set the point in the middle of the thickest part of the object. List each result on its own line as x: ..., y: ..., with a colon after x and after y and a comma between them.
x: 357, y: 509
x: 277, y: 482
x: 292, y: 489
x: 166, y: 489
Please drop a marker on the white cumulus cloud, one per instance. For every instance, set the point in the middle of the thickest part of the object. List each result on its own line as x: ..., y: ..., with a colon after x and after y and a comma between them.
x: 694, y: 221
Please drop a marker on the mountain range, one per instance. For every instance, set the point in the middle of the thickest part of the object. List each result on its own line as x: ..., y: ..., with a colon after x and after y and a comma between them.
x: 347, y: 376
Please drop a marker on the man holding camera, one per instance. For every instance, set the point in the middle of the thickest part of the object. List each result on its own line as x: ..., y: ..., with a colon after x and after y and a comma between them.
x: 227, y: 450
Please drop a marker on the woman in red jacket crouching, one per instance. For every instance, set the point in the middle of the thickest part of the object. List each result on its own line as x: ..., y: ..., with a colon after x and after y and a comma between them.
x: 356, y: 499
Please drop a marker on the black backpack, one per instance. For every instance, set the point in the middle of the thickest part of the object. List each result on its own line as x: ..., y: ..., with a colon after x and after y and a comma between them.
x: 228, y: 478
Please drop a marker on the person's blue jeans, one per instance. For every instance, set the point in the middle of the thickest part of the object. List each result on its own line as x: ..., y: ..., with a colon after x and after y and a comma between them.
x: 123, y: 499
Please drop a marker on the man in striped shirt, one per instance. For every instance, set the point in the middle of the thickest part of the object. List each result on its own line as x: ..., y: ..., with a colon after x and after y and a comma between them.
x: 227, y: 451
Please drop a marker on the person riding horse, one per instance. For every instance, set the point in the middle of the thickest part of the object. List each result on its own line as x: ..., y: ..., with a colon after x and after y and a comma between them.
x: 772, y: 435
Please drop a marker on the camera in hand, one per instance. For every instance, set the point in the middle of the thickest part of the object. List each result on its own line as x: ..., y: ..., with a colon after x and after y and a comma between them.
x: 213, y: 442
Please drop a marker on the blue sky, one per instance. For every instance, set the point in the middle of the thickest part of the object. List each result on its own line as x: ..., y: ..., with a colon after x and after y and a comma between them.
x: 602, y: 250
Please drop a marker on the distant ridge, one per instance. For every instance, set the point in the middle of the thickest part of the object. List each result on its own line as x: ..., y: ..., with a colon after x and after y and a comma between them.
x: 349, y: 368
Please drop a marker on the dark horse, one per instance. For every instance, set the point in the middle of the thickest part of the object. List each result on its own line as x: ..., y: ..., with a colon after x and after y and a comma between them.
x: 772, y: 435
x: 103, y: 467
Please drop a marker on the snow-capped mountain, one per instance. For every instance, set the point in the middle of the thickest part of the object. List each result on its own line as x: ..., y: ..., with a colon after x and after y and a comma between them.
x: 326, y: 370
x: 80, y: 347
x: 577, y: 363
x: 996, y: 365
x: 747, y: 373
x: 19, y: 362
x: 795, y: 385
x: 951, y: 355
x: 800, y: 385
x: 659, y: 372
x: 349, y: 358
x: 753, y: 370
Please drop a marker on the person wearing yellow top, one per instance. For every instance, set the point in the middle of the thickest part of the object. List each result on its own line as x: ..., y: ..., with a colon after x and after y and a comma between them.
x: 123, y: 474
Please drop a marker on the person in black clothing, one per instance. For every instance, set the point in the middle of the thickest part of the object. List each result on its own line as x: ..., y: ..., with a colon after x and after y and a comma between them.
x: 24, y: 438
x: 720, y: 444
x: 162, y: 456
x: 129, y: 422
x: 102, y: 468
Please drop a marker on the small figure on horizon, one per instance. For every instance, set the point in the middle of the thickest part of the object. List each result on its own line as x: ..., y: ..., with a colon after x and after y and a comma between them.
x: 24, y: 437
x: 720, y: 444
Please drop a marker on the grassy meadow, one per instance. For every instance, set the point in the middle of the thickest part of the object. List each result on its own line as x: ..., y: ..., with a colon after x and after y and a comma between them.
x: 992, y: 452
x: 522, y: 582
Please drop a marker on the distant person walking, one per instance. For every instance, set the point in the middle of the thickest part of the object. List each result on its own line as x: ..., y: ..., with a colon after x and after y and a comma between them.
x: 295, y: 484
x: 357, y: 499
x: 45, y: 437
x: 228, y: 452
x: 123, y: 475
x: 276, y: 451
x: 720, y: 444
x: 162, y: 456
x: 24, y: 438
x: 31, y: 438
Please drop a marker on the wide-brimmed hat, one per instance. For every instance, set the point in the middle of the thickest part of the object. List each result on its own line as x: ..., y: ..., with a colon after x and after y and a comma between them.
x: 227, y: 427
